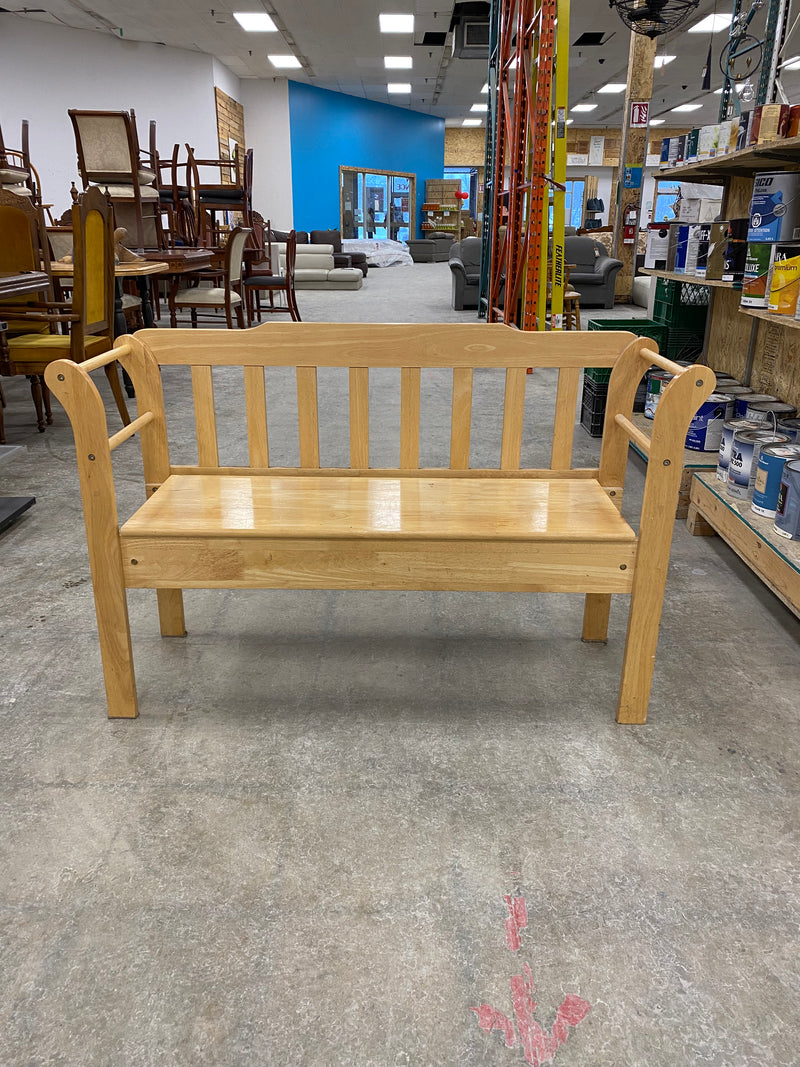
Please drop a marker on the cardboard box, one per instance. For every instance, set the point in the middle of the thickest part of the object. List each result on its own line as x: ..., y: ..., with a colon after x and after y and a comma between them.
x: 703, y: 243
x: 692, y: 139
x: 774, y: 122
x: 724, y: 137
x: 734, y: 135
x: 793, y: 127
x: 784, y: 287
x: 673, y: 151
x: 757, y: 266
x: 679, y: 247
x: 657, y: 247
x: 775, y: 207
x: 706, y: 141
x: 665, y: 151
x: 709, y: 210
x: 688, y: 210
x: 716, y: 250
x: 755, y: 125
x: 696, y: 248
x: 680, y: 156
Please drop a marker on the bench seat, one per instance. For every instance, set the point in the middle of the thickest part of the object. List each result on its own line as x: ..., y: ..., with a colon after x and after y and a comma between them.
x: 264, y: 531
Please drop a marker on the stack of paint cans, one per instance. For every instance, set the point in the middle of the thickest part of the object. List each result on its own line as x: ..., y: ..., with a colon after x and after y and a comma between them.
x: 705, y: 431
x: 791, y: 427
x: 769, y: 472
x: 787, y: 516
x: 743, y: 463
x: 726, y: 443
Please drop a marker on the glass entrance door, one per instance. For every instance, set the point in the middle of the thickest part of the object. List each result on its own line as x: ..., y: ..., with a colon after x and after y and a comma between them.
x: 376, y: 204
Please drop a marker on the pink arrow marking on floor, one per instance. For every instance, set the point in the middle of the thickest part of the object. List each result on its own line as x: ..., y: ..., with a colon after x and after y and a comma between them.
x: 517, y: 920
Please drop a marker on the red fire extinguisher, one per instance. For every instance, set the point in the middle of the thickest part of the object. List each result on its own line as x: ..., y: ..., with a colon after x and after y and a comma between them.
x: 629, y: 224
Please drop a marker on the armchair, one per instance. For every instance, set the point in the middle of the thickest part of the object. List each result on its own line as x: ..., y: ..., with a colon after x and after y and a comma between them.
x: 433, y: 248
x: 593, y: 273
x: 465, y: 267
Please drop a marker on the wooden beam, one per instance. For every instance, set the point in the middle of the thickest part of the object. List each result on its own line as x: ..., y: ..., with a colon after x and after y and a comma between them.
x: 633, y: 154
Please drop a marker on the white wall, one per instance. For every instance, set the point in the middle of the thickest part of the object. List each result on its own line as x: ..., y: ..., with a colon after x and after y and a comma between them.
x: 225, y: 79
x: 46, y: 69
x: 266, y: 118
x: 604, y: 190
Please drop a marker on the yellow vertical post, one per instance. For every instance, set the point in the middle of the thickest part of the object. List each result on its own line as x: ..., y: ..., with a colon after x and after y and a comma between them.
x: 560, y: 85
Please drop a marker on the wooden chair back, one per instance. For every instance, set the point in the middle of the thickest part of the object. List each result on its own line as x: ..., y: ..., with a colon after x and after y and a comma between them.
x: 107, y: 146
x: 234, y: 256
x: 93, y: 263
x: 24, y: 245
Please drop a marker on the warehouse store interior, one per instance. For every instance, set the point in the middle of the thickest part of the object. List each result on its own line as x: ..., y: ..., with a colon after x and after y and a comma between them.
x: 350, y: 360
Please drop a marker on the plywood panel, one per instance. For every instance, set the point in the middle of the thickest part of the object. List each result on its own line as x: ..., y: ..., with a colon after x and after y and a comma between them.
x: 776, y: 367
x: 730, y: 333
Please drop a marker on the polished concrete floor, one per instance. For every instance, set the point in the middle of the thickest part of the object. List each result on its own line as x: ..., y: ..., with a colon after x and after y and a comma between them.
x: 299, y: 853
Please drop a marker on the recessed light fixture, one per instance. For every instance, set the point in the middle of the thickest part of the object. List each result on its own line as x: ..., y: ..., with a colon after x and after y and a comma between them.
x: 396, y: 23
x: 584, y: 107
x: 398, y: 62
x: 657, y: 122
x: 613, y: 87
x: 711, y: 24
x: 472, y: 122
x: 686, y: 107
x: 485, y: 89
x: 284, y: 61
x: 479, y: 107
x: 399, y: 87
x: 255, y: 21
x: 661, y: 61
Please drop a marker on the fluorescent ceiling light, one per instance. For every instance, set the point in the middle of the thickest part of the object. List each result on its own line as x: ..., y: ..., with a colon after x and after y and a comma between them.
x: 657, y: 122
x: 479, y: 107
x: 472, y: 122
x: 686, y: 107
x: 791, y: 64
x: 398, y: 62
x: 284, y: 61
x: 255, y: 21
x: 739, y: 86
x: 613, y: 87
x: 584, y: 107
x: 396, y: 23
x: 399, y: 87
x: 485, y: 89
x: 661, y: 61
x: 711, y: 24
x: 570, y: 121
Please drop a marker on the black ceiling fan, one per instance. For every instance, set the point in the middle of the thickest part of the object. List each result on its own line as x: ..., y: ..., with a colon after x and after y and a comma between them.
x: 653, y: 17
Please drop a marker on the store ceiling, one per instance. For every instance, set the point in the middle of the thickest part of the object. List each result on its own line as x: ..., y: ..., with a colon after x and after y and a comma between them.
x: 341, y: 48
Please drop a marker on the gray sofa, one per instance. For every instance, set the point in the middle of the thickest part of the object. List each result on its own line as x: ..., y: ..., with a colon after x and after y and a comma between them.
x: 593, y: 272
x: 465, y: 267
x: 433, y: 248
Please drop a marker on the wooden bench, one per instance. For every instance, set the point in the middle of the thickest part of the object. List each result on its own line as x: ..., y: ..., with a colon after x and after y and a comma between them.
x: 507, y: 529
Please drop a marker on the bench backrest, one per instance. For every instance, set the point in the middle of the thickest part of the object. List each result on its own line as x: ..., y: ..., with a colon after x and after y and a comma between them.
x: 409, y: 348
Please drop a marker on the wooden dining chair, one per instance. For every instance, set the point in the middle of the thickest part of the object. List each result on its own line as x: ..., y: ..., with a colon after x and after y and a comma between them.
x: 282, y: 282
x: 89, y: 315
x: 108, y: 155
x: 225, y: 296
x: 16, y: 172
x: 230, y: 189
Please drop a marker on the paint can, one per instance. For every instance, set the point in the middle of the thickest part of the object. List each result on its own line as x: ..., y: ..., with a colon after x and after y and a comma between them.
x: 790, y: 427
x: 765, y: 410
x: 705, y: 430
x: 728, y: 430
x: 744, y: 459
x: 657, y: 381
x: 735, y: 390
x: 725, y: 382
x: 751, y: 398
x: 787, y: 516
x: 771, y: 460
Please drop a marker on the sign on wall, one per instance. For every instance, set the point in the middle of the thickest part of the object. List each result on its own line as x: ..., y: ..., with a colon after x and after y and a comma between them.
x: 596, y: 151
x: 640, y: 113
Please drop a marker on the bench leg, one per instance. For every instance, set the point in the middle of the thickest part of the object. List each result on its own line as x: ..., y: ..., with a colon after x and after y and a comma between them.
x: 170, y: 612
x: 595, y: 617
x: 640, y: 648
x: 111, y: 606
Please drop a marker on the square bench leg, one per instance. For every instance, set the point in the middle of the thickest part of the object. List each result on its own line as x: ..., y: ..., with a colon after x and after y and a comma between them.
x: 595, y: 617
x: 170, y: 612
x: 111, y: 606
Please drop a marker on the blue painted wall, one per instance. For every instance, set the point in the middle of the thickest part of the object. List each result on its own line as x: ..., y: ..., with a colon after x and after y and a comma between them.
x: 330, y: 129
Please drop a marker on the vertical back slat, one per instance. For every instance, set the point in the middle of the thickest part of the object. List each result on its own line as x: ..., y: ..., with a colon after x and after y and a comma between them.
x: 409, y: 417
x: 513, y: 411
x: 359, y: 417
x: 569, y: 380
x: 308, y: 416
x: 255, y: 401
x: 461, y: 419
x: 204, y: 418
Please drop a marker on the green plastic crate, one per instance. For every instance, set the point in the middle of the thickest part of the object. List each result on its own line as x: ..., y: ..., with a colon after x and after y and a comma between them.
x: 656, y: 331
x: 683, y: 308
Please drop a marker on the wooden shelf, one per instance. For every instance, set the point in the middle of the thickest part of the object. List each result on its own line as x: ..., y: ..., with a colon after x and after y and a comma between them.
x: 777, y: 155
x: 773, y: 558
x: 694, y: 279
x: 768, y: 316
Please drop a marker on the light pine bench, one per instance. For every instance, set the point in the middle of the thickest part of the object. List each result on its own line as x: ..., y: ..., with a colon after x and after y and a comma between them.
x: 507, y: 529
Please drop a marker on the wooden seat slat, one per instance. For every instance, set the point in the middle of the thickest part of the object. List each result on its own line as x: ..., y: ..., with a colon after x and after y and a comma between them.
x: 381, y: 508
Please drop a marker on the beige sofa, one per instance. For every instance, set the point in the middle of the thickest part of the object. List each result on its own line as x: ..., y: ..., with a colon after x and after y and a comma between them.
x: 314, y: 269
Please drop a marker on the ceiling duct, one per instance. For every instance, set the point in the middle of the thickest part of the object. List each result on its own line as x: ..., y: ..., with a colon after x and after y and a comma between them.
x: 471, y: 39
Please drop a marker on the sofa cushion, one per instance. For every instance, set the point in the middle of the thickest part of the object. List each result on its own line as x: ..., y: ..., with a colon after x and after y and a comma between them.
x: 309, y: 274
x: 304, y: 262
x: 125, y: 192
x: 327, y: 237
x: 282, y: 236
x: 345, y: 278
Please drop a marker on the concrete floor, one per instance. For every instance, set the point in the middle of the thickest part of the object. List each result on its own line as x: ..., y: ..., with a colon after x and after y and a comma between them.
x: 298, y: 854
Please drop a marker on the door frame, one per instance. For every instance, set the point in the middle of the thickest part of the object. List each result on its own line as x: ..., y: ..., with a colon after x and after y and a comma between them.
x: 412, y: 194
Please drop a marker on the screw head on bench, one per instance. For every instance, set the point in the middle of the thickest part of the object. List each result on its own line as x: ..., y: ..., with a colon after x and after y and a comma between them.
x: 61, y: 377
x: 134, y: 562
x: 699, y: 382
x: 623, y: 566
x: 91, y: 457
x: 666, y: 463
